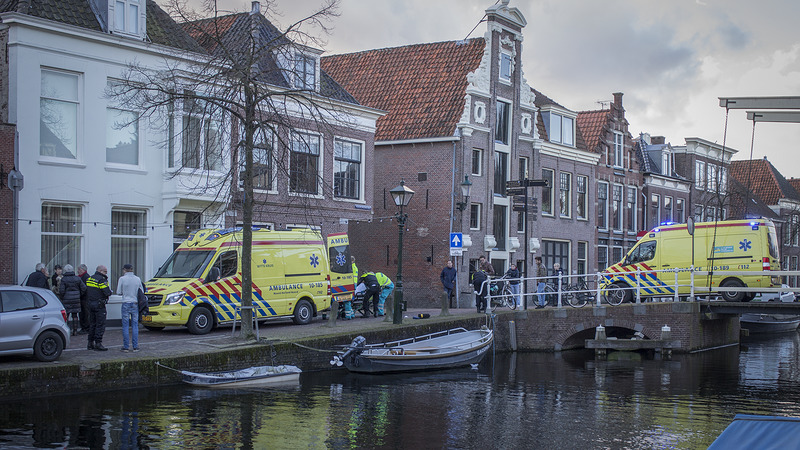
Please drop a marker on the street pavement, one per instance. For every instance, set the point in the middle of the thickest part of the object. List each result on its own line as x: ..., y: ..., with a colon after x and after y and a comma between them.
x: 177, y: 341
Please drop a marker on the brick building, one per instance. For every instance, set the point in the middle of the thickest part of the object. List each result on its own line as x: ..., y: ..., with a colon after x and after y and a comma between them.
x: 665, y: 193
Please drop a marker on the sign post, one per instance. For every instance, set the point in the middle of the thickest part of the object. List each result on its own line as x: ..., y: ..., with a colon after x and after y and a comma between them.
x: 456, y: 244
x: 518, y: 190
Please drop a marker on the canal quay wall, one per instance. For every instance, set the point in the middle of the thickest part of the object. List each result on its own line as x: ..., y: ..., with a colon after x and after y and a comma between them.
x: 311, y: 347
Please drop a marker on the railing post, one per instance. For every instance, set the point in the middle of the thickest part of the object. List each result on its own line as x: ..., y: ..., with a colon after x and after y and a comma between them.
x: 597, y: 289
x: 691, y: 282
x: 559, y: 289
x: 638, y: 286
x: 675, y: 299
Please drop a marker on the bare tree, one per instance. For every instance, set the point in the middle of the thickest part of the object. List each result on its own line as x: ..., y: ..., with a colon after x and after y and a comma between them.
x: 252, y: 86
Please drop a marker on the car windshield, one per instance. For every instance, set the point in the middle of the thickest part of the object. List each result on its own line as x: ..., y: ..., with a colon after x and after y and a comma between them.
x: 185, y: 264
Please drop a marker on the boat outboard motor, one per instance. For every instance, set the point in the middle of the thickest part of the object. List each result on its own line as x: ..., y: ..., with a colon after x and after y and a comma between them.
x: 356, y: 346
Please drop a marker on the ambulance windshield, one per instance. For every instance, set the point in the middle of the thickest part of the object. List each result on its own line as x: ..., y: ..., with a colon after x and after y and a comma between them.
x: 185, y: 264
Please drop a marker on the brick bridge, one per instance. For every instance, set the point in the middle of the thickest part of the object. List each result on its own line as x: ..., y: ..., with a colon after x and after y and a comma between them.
x: 554, y: 329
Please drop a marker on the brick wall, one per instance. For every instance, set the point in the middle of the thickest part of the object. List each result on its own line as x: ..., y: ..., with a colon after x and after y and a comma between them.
x: 6, y: 203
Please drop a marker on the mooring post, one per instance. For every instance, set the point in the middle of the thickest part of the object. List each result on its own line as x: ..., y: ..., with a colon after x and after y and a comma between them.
x: 666, y: 337
x: 600, y: 334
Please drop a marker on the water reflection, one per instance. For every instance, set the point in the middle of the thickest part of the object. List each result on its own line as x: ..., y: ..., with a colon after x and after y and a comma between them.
x: 565, y: 400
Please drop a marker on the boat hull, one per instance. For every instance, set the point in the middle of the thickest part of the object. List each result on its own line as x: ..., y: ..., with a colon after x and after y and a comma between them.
x: 769, y: 323
x: 250, y: 377
x: 444, y: 352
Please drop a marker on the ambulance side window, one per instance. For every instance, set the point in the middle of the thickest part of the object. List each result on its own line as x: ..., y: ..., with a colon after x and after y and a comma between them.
x: 644, y: 252
x: 227, y: 263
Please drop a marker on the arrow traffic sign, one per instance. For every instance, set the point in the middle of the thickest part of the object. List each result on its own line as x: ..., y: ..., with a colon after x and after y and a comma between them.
x: 456, y: 240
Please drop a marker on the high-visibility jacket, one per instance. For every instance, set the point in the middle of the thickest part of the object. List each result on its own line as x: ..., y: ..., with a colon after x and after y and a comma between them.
x: 383, y: 279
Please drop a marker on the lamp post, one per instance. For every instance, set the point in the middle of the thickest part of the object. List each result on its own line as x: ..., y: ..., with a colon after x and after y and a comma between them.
x: 401, y: 196
x: 465, y: 187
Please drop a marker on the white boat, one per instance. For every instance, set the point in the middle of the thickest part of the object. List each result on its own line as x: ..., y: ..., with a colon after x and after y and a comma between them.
x: 252, y: 376
x: 447, y: 349
x: 769, y: 323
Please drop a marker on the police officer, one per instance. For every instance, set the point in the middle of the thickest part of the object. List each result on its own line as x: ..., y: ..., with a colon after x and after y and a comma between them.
x: 97, y: 293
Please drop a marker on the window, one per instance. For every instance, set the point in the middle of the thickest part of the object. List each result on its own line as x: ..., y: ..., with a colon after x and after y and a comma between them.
x: 668, y: 216
x: 700, y: 175
x: 305, y: 72
x: 785, y: 266
x: 565, y: 189
x: 477, y: 158
x: 126, y: 16
x: 631, y: 208
x: 59, y: 110
x: 502, y: 131
x: 795, y: 230
x: 698, y: 213
x: 475, y: 216
x: 500, y: 226
x: 200, y: 137
x: 128, y: 241
x: 712, y: 177
x: 20, y: 300
x: 643, y: 252
x: 523, y: 168
x: 347, y: 169
x: 619, y: 155
x: 500, y: 172
x: 506, y: 66
x: 304, y: 164
x: 602, y: 206
x: 679, y: 208
x: 655, y: 210
x: 602, y: 257
x: 666, y: 167
x: 580, y: 201
x: 616, y: 254
x: 263, y: 149
x: 581, y: 262
x: 794, y: 268
x: 616, y: 207
x: 556, y: 252
x: 711, y: 213
x: 547, y: 192
x: 521, y: 221
x: 227, y: 263
x: 62, y: 233
x: 122, y: 137
x: 560, y: 128
x: 184, y: 223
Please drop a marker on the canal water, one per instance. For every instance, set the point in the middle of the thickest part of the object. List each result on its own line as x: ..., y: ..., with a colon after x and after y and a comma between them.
x: 528, y: 400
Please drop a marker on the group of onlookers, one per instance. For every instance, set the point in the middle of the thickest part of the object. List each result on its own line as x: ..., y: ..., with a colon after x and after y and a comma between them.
x: 85, y: 297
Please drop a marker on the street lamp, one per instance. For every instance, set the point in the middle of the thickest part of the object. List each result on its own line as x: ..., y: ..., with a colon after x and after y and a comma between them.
x: 401, y: 196
x: 465, y: 186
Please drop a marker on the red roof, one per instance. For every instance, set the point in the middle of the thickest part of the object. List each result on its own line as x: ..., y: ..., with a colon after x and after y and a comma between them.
x: 421, y: 87
x: 591, y: 124
x: 764, y: 180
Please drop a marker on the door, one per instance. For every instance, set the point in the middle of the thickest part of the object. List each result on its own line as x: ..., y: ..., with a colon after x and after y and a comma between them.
x: 20, y: 319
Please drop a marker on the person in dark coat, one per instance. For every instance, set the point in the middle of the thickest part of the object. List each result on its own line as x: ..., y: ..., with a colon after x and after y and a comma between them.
x: 56, y: 278
x: 373, y: 291
x: 448, y: 279
x: 39, y: 277
x: 83, y: 273
x: 70, y: 290
x: 97, y: 293
x: 481, y: 289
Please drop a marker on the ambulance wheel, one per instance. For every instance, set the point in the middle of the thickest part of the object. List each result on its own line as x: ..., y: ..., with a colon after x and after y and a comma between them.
x: 200, y: 321
x: 732, y: 296
x: 303, y: 313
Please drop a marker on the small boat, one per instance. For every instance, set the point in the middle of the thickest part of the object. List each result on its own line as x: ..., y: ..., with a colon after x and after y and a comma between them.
x: 751, y: 431
x: 447, y: 349
x: 769, y: 323
x: 252, y: 376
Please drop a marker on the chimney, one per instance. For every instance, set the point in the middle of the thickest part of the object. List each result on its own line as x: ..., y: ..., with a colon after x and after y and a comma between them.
x: 256, y: 7
x: 618, y: 99
x: 657, y: 140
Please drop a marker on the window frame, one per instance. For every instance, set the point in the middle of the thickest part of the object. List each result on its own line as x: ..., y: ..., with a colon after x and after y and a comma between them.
x: 680, y: 206
x: 264, y: 142
x: 581, y: 197
x: 565, y: 194
x: 359, y: 181
x: 700, y: 175
x: 617, y: 202
x: 475, y: 216
x: 479, y: 153
x: 505, y: 56
x: 502, y: 161
x: 204, y: 122
x: 49, y: 231
x: 140, y: 238
x: 655, y: 209
x: 502, y: 129
x: 75, y: 102
x: 619, y: 149
x: 602, y: 206
x: 295, y: 134
x: 548, y: 195
x: 136, y: 122
x: 631, y: 194
x: 126, y: 19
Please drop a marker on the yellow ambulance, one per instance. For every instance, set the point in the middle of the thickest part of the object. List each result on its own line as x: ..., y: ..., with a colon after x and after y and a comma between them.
x: 199, y: 286
x: 724, y: 249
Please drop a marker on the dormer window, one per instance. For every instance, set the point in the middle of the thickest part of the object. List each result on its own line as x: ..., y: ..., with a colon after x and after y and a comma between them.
x: 305, y: 71
x: 560, y: 128
x: 666, y: 166
x: 126, y: 14
x: 506, y: 67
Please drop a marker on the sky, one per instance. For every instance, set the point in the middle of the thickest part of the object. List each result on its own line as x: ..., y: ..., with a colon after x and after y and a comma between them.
x: 671, y: 59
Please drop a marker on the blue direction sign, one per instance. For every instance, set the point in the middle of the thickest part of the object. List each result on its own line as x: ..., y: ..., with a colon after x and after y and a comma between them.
x: 456, y: 240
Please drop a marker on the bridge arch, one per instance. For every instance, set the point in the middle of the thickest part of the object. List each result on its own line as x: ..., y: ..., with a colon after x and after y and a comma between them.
x: 575, y: 335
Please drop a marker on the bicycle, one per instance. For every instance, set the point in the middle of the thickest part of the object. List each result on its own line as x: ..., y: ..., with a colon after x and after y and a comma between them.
x: 501, y: 296
x: 577, y: 294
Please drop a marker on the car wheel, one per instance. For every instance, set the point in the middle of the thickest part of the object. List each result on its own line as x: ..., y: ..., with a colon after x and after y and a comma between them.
x: 48, y: 346
x: 200, y: 321
x: 303, y: 313
x: 732, y: 296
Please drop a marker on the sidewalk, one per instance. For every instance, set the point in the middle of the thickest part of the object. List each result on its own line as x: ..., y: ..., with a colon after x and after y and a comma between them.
x: 177, y: 341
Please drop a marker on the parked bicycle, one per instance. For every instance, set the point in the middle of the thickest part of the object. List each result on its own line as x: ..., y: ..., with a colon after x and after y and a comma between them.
x: 577, y: 294
x: 501, y: 294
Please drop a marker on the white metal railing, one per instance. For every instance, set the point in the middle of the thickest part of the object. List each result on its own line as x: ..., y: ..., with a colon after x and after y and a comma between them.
x: 667, y: 280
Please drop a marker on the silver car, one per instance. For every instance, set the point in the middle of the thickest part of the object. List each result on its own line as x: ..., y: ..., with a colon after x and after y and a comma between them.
x: 32, y: 320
